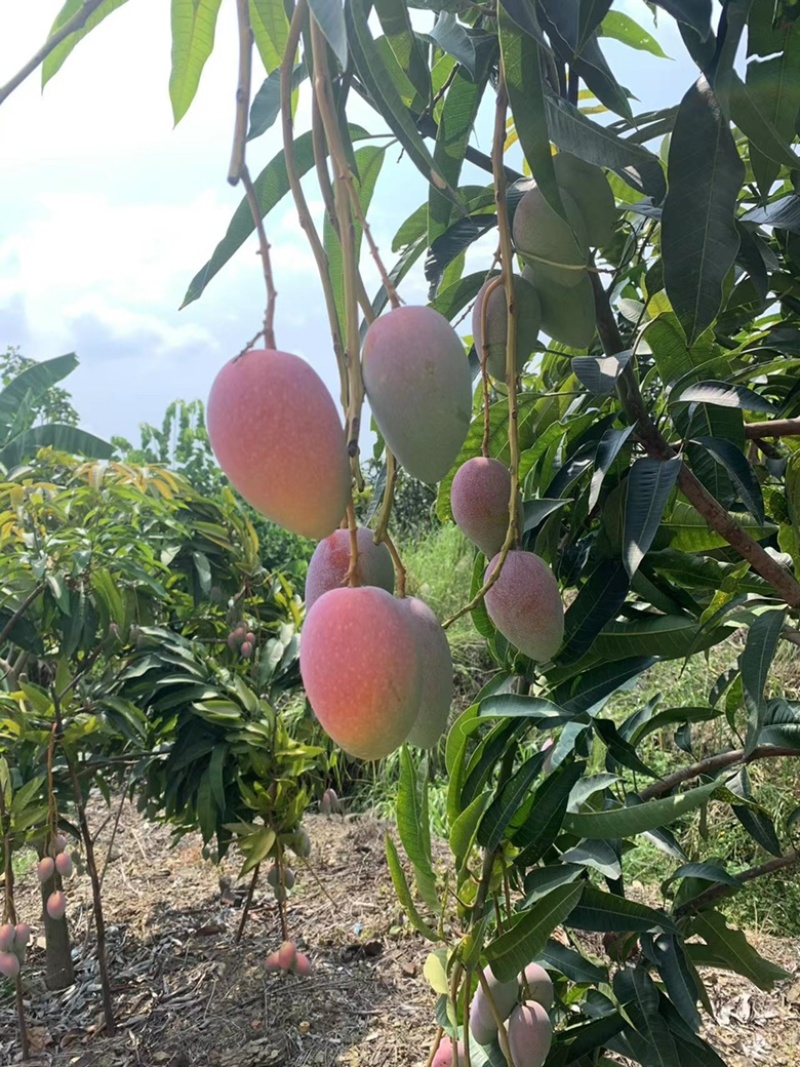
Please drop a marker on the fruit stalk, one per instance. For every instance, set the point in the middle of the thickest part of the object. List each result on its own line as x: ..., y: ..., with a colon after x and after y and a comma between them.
x: 242, y: 92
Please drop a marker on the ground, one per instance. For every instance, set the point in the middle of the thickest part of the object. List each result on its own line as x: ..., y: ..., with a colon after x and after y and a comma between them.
x: 186, y: 995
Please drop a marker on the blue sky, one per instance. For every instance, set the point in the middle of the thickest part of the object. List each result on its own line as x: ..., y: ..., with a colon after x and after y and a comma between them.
x: 108, y: 212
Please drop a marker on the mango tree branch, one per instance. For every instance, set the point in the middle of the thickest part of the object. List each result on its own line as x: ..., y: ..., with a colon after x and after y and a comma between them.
x: 77, y: 22
x: 708, y: 896
x: 713, y: 764
x: 656, y: 445
x: 776, y: 428
x: 242, y: 91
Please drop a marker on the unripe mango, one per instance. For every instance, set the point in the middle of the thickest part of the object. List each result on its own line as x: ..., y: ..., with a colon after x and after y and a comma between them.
x: 530, y: 1034
x: 56, y: 904
x: 529, y: 318
x: 589, y: 188
x: 276, y: 433
x: 417, y: 379
x: 45, y: 868
x: 330, y: 563
x: 436, y: 664
x: 445, y: 1056
x: 482, y: 1022
x: 552, y: 248
x: 59, y: 843
x: 7, y: 936
x: 9, y: 965
x: 64, y: 864
x: 359, y: 661
x: 479, y: 498
x: 330, y: 804
x: 301, y: 844
x: 568, y: 315
x: 538, y: 984
x: 525, y: 605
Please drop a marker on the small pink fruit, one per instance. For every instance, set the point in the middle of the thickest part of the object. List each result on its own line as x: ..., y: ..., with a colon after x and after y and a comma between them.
x: 7, y: 937
x: 302, y: 965
x: 250, y: 637
x: 274, y: 962
x: 56, y: 905
x: 539, y: 985
x: 445, y: 1056
x: 287, y: 954
x: 9, y: 964
x: 232, y: 640
x: 45, y: 869
x: 22, y: 934
x: 246, y: 649
x: 59, y: 843
x: 64, y: 864
x: 239, y: 632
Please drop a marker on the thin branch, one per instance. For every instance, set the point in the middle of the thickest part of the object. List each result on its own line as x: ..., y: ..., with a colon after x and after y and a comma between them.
x: 26, y: 603
x: 655, y: 444
x: 77, y: 22
x: 713, y: 764
x: 708, y: 896
x: 242, y: 91
x: 776, y: 428
x: 263, y: 249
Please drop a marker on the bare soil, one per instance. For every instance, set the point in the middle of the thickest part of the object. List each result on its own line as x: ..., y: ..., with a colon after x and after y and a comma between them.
x: 187, y: 995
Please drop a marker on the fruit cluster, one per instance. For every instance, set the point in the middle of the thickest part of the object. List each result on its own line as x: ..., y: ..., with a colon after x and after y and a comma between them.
x: 376, y: 668
x: 13, y: 943
x: 242, y: 639
x: 287, y: 958
x: 48, y: 866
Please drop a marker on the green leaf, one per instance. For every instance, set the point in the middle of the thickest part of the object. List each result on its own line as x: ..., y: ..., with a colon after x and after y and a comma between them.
x: 512, y: 951
x: 374, y: 71
x: 55, y: 60
x: 732, y: 946
x: 773, y: 86
x: 413, y: 826
x: 522, y: 61
x: 741, y: 473
x: 652, y: 1041
x: 452, y: 38
x: 669, y: 717
x: 404, y: 893
x: 608, y: 913
x: 550, y: 801
x: 271, y: 31
x: 54, y: 435
x: 465, y: 826
x: 599, y: 855
x: 193, y: 25
x: 31, y: 384
x: 256, y: 848
x: 271, y: 186
x: 689, y: 531
x: 636, y: 819
x: 597, y: 603
x: 574, y: 132
x: 667, y: 953
x: 650, y: 484
x: 724, y: 395
x: 515, y: 705
x: 608, y: 448
x: 505, y: 806
x: 410, y: 56
x: 674, y: 358
x: 329, y: 15
x: 623, y: 28
x: 600, y: 373
x: 593, y: 687
x: 699, y: 240
x: 455, y: 127
x: 266, y: 104
x: 572, y: 964
x: 694, y: 13
x: 755, y: 662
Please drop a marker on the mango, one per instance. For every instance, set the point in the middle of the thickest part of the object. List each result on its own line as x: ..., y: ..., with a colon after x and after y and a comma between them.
x: 56, y: 904
x: 360, y: 664
x: 525, y: 605
x: 479, y: 498
x: 22, y: 934
x: 301, y: 965
x: 529, y: 318
x: 537, y: 983
x: 9, y: 965
x: 553, y: 248
x: 330, y: 562
x: 7, y: 936
x: 481, y: 1018
x: 568, y: 315
x: 418, y: 383
x: 301, y: 844
x: 64, y: 864
x: 45, y: 868
x: 276, y: 433
x: 436, y: 665
x: 446, y: 1054
x: 589, y: 188
x: 59, y: 843
x: 530, y: 1034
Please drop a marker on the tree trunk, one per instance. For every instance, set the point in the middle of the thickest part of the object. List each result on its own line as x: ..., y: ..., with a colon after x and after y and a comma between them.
x: 59, y: 971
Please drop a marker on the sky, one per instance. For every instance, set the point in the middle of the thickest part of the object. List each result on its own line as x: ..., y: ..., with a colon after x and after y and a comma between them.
x: 108, y: 211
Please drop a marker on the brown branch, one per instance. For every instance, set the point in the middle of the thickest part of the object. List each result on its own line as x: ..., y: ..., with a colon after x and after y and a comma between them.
x: 712, y: 764
x: 708, y: 896
x: 776, y: 428
x: 263, y: 249
x: 656, y: 445
x: 26, y: 603
x: 242, y: 91
x: 77, y: 22
x: 248, y: 900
